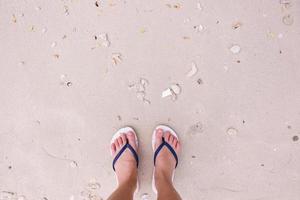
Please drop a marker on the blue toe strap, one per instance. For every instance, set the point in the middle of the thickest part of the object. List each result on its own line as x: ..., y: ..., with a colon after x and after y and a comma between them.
x: 127, y: 145
x: 164, y: 143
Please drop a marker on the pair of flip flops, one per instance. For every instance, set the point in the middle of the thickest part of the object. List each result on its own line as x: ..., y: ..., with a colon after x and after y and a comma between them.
x: 156, y: 152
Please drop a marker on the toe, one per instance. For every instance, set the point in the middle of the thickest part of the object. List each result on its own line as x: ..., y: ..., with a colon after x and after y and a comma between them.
x: 131, y: 139
x: 113, y: 148
x: 117, y: 144
x: 123, y: 136
x: 158, y: 137
x: 174, y: 142
x: 170, y: 139
x: 167, y: 136
x: 178, y: 146
x: 120, y: 141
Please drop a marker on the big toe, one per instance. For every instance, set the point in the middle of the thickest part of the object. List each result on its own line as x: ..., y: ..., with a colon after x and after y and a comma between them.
x: 158, y: 137
x: 131, y: 139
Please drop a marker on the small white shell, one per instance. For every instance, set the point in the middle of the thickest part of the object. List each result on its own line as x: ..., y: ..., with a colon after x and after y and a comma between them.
x: 199, y: 28
x: 146, y: 101
x: 44, y: 30
x: 288, y: 20
x: 144, y: 81
x: 199, y: 6
x: 104, y: 41
x: 176, y: 88
x: 193, y: 70
x: 116, y: 58
x: 232, y: 131
x: 166, y: 93
x: 73, y: 164
x: 53, y: 44
x: 235, y: 49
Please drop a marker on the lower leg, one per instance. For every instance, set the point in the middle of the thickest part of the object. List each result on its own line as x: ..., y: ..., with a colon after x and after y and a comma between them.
x: 165, y: 188
x: 125, y: 191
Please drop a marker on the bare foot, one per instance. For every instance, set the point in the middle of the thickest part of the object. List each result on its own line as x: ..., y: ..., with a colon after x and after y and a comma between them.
x: 125, y: 166
x: 165, y: 161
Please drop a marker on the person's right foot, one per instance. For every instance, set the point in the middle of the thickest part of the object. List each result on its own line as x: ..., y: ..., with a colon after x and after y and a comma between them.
x: 165, y: 161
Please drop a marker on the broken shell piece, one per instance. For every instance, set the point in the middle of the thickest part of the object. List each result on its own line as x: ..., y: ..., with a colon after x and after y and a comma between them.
x: 139, y: 88
x: 270, y: 34
x: 193, y: 70
x: 236, y: 25
x: 144, y: 81
x: 286, y: 3
x: 63, y: 77
x: 199, y: 6
x: 288, y: 20
x: 44, y: 30
x: 73, y: 164
x: 174, y: 97
x: 103, y: 40
x: 177, y: 6
x: 14, y: 19
x: 226, y: 68
x: 116, y: 58
x: 31, y: 28
x: 94, y: 185
x: 199, y: 81
x: 166, y: 93
x: 176, y: 88
x: 232, y: 131
x: 199, y: 28
x: 187, y: 20
x: 140, y: 95
x: 22, y: 63
x: 143, y: 30
x: 131, y: 86
x: 53, y: 44
x: 146, y: 101
x: 66, y: 10
x: 172, y: 91
x: 235, y: 49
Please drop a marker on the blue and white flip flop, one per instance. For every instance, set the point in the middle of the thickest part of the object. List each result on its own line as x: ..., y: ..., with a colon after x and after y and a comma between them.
x: 126, y: 146
x: 163, y: 144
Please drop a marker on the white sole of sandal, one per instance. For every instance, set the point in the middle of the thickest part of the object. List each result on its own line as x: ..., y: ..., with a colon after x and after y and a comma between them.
x: 118, y: 134
x: 164, y: 128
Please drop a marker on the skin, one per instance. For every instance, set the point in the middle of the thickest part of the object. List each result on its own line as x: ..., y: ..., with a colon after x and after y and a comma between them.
x: 127, y: 172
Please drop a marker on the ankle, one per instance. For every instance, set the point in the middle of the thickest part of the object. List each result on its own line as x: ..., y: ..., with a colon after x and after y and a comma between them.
x: 162, y: 178
x: 130, y: 181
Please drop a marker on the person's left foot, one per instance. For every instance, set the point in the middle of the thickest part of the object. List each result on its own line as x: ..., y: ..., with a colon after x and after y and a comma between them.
x: 125, y: 166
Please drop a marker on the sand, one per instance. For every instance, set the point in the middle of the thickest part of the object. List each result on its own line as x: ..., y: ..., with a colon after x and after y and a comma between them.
x: 73, y: 72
